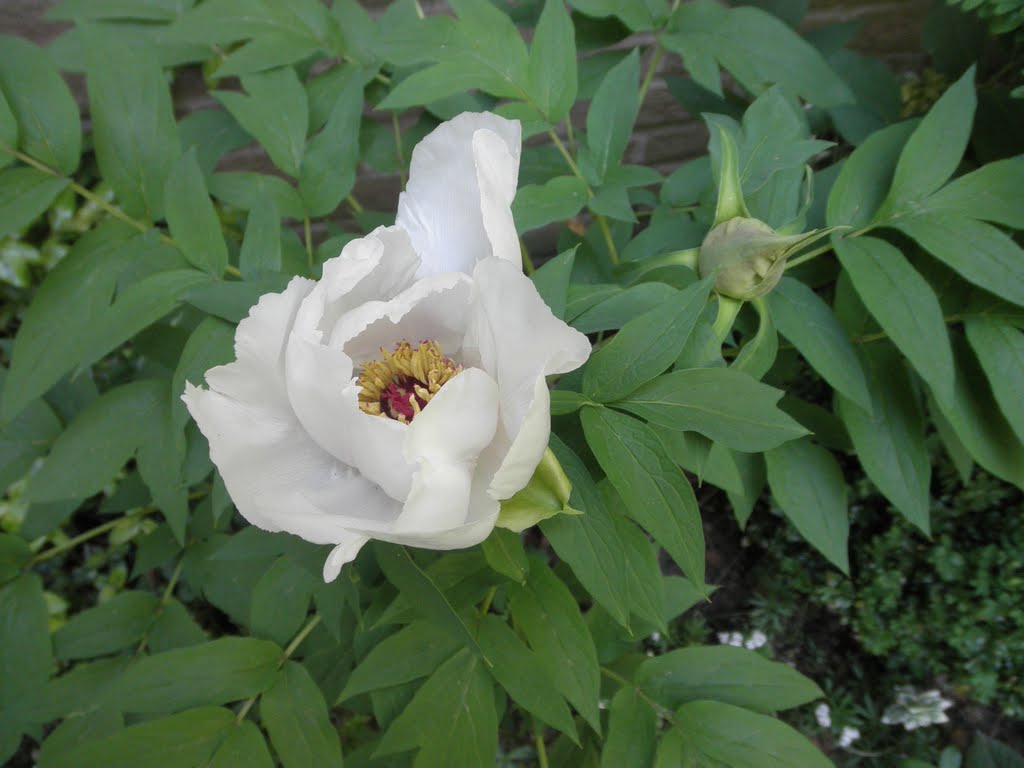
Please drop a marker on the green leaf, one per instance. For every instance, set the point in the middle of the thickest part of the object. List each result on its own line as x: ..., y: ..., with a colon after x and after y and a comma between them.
x: 656, y: 493
x: 451, y: 718
x: 95, y: 445
x: 174, y: 628
x: 183, y: 740
x: 25, y: 438
x: 411, y: 653
x: 645, y: 346
x: 558, y: 199
x: 989, y: 753
x: 133, y: 130
x: 903, y: 304
x: 109, y: 627
x: 622, y: 306
x: 247, y: 190
x: 40, y: 101
x: 295, y: 714
x: 25, y: 194
x: 612, y: 113
x: 724, y: 673
x: 978, y: 423
x: 809, y: 487
x: 426, y: 598
x: 261, y: 246
x: 504, y: 552
x: 220, y: 671
x: 549, y: 616
x: 212, y: 343
x: 275, y: 112
x: 632, y: 731
x: 8, y: 128
x: 757, y: 355
x: 808, y: 322
x: 934, y: 149
x: 643, y: 574
x: 280, y: 600
x: 723, y: 734
x: 243, y: 747
x: 999, y: 347
x: 25, y: 656
x: 518, y: 670
x: 865, y: 177
x: 988, y: 193
x: 192, y: 218
x: 552, y: 281
x: 722, y: 403
x: 551, y: 73
x: 589, y: 543
x: 890, y: 437
x: 980, y: 252
x: 329, y: 164
x: 14, y: 553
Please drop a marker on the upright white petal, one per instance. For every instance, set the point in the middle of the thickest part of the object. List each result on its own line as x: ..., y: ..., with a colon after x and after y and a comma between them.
x: 456, y: 206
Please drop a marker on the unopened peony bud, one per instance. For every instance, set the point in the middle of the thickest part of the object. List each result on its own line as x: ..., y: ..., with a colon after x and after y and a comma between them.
x: 546, y: 495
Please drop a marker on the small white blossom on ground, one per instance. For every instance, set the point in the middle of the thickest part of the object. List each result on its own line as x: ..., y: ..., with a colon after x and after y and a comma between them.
x: 656, y: 637
x: 823, y: 715
x: 848, y: 736
x: 756, y: 640
x: 730, y: 638
x: 915, y: 710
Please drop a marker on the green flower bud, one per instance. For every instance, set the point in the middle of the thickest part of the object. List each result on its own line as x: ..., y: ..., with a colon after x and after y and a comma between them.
x: 546, y: 495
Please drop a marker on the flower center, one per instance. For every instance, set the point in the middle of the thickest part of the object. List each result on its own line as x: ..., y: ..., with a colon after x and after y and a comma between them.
x: 400, y: 386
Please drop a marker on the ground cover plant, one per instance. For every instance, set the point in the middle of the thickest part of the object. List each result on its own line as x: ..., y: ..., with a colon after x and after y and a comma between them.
x: 429, y: 498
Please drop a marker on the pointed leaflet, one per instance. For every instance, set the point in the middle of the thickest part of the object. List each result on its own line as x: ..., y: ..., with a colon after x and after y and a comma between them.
x: 192, y: 218
x: 134, y: 134
x: 934, y: 149
x: 261, y: 246
x: 757, y: 356
x: 295, y: 715
x: 656, y: 493
x: 990, y: 193
x: 646, y: 346
x: 552, y: 68
x: 557, y: 199
x: 39, y: 99
x: 552, y: 281
x: 547, y: 613
x: 999, y: 347
x: 724, y: 404
x: 611, y: 115
x: 890, y: 436
x: 274, y: 112
x: 25, y: 655
x: 808, y: 322
x: 119, y: 622
x: 25, y: 193
x: 280, y: 600
x: 723, y: 734
x: 451, y: 718
x: 721, y: 672
x: 504, y: 552
x: 329, y: 163
x: 8, y: 129
x: 589, y: 543
x: 904, y: 305
x: 809, y: 487
x: 243, y: 747
x: 632, y: 731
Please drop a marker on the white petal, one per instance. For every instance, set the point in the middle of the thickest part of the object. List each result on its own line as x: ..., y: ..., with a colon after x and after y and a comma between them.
x: 520, y: 342
x: 443, y: 443
x: 456, y: 206
x: 343, y: 553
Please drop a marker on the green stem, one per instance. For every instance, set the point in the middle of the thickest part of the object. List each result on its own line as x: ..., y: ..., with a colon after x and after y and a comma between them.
x: 613, y: 675
x: 285, y: 655
x: 727, y: 311
x: 808, y: 256
x: 542, y: 750
x: 164, y: 600
x: 399, y: 151
x: 308, y: 231
x: 528, y: 267
x: 870, y: 337
x: 354, y: 203
x: 92, y: 533
x: 568, y: 159
x: 651, y: 69
x: 613, y: 252
x: 486, y: 605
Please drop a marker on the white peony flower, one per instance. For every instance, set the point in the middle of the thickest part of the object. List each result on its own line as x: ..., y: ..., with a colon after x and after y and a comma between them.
x: 402, y: 396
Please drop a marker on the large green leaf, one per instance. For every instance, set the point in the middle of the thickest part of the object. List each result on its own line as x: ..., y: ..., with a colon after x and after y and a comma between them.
x: 192, y: 218
x: 558, y: 199
x: 724, y: 404
x: 903, y: 304
x: 552, y: 67
x: 611, y: 115
x: 809, y: 487
x: 47, y: 115
x: 25, y: 193
x: 275, y: 112
x: 999, y: 347
x: 518, y: 670
x: 632, y: 731
x: 723, y: 734
x: 295, y: 714
x: 451, y: 718
x: 890, y: 436
x: 25, y: 654
x: 329, y: 165
x: 808, y: 322
x: 183, y: 740
x: 133, y: 130
x: 505, y: 553
x: 547, y: 613
x: 552, y: 281
x: 243, y: 747
x: 280, y: 600
x: 25, y: 438
x: 934, y: 149
x: 109, y: 627
x: 656, y: 493
x: 646, y: 346
x: 989, y: 193
x: 724, y: 673
x: 980, y: 252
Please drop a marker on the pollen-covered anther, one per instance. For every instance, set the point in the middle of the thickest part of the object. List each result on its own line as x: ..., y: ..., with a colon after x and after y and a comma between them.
x: 400, y: 385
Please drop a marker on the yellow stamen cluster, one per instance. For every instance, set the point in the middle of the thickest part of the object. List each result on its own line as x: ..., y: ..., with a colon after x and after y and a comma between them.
x: 401, y: 384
